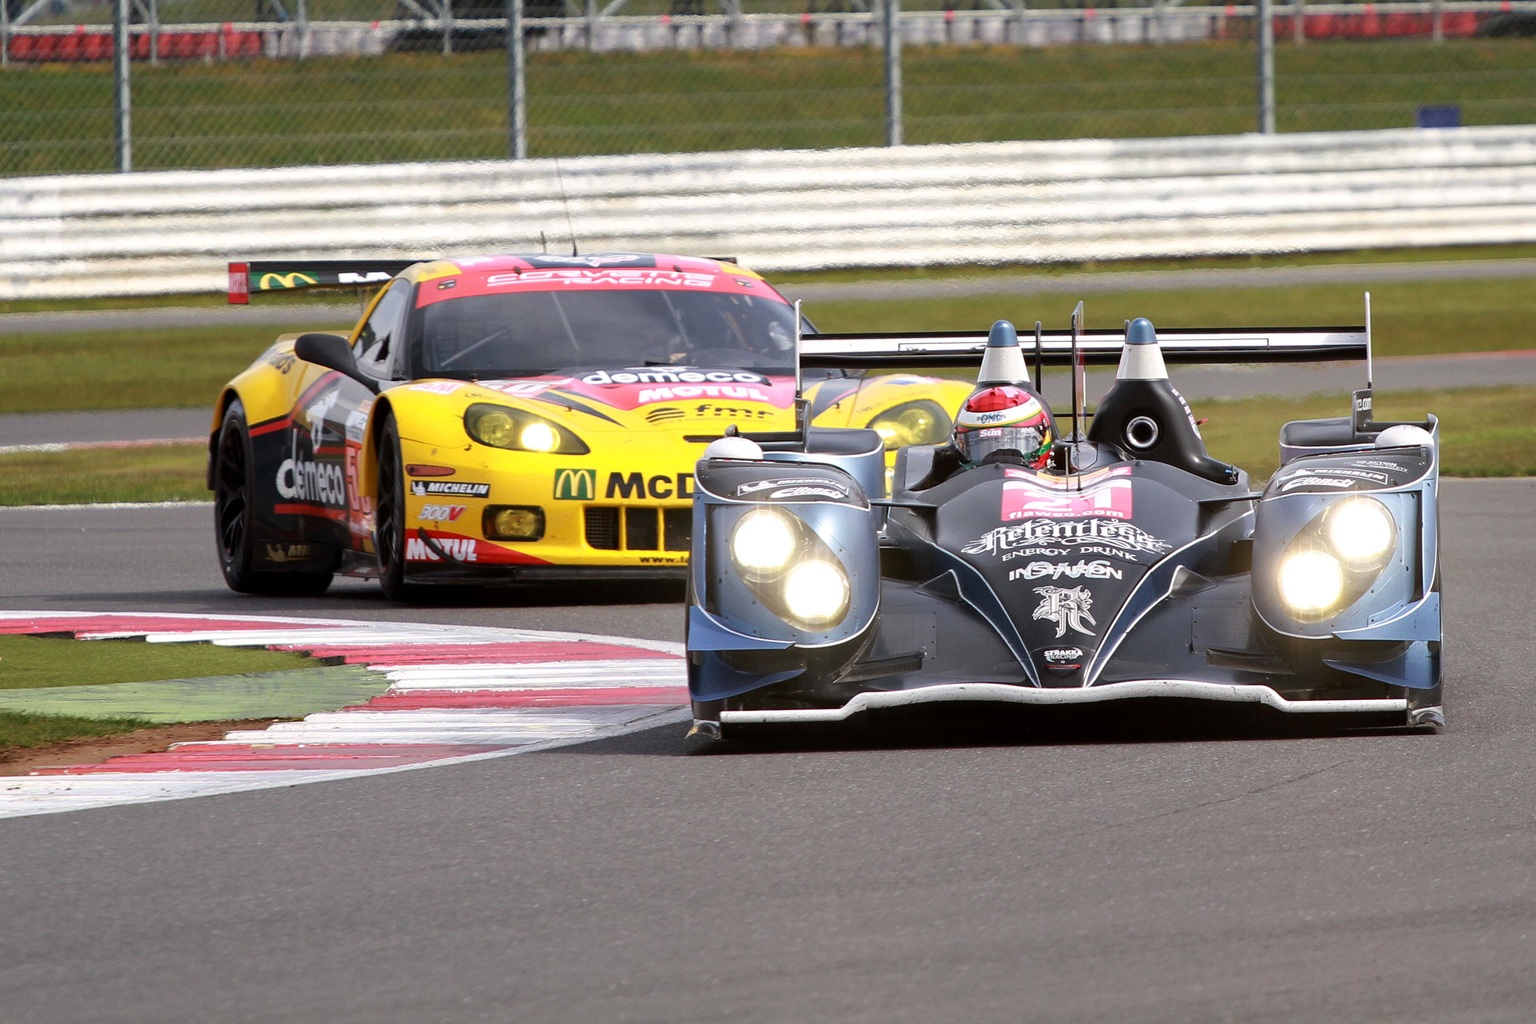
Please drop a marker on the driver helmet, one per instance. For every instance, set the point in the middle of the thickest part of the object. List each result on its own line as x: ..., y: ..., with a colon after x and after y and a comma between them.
x: 1001, y: 417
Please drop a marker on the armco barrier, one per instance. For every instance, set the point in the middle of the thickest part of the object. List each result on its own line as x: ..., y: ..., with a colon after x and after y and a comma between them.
x: 1020, y: 202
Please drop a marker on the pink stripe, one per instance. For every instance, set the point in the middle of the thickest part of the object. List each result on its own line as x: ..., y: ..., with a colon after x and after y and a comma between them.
x: 213, y: 757
x: 79, y: 625
x: 431, y: 654
x: 424, y: 700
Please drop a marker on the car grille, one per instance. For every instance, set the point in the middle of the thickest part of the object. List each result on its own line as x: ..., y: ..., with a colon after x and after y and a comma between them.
x: 638, y: 529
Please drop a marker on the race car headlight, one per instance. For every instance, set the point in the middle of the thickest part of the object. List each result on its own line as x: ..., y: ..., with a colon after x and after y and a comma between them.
x: 1311, y: 582
x: 1336, y: 558
x: 816, y: 592
x: 764, y: 542
x: 500, y: 426
x: 922, y: 422
x: 1360, y: 531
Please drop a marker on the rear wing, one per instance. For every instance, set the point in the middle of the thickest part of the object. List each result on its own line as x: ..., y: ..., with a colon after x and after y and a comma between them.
x: 1194, y: 345
x: 253, y: 278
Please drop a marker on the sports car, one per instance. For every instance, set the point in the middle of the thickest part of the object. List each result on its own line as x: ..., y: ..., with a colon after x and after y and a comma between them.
x: 505, y: 418
x: 1119, y: 561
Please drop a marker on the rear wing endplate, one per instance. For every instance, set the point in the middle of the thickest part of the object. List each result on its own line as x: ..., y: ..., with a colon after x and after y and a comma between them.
x: 253, y: 278
x: 1194, y: 345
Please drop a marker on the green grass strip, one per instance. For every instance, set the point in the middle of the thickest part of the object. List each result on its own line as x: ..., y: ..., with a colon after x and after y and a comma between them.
x: 91, y: 475
x: 291, y: 694
x: 44, y: 661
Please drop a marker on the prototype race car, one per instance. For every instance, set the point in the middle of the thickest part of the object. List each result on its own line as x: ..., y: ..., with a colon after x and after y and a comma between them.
x: 1115, y: 563
x: 506, y: 418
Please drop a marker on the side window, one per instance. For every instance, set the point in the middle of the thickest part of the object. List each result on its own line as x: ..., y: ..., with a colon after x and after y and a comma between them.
x: 380, y: 338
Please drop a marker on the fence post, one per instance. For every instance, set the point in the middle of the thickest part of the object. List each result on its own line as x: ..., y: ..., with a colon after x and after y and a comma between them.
x: 122, y: 126
x: 5, y: 32
x: 893, y: 72
x: 1266, y: 36
x: 517, y: 84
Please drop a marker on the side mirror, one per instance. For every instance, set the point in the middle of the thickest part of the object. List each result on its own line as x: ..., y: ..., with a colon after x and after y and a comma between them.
x: 332, y: 352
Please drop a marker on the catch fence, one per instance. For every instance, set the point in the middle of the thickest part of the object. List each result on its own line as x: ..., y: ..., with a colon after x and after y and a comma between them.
x: 267, y: 83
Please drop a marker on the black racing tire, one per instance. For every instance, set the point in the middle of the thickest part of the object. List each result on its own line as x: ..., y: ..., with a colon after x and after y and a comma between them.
x: 389, y: 515
x: 234, y: 487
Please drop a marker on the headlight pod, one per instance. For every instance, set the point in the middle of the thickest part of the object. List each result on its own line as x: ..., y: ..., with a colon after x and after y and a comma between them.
x: 501, y: 426
x: 1336, y: 558
x: 789, y: 569
x: 922, y: 422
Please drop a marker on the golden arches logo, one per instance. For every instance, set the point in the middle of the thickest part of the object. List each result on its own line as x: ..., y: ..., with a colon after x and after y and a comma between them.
x: 575, y: 484
x: 274, y: 282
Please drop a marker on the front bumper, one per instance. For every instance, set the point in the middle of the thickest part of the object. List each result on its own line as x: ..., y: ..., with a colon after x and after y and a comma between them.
x: 1136, y: 689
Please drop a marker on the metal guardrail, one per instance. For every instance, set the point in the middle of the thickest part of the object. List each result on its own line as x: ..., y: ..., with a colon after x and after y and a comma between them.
x: 1017, y: 202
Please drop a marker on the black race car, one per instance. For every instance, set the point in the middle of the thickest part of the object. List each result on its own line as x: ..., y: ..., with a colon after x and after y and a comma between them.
x: 1119, y: 561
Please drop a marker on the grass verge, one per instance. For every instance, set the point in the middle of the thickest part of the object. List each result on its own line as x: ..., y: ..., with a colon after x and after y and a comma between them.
x: 30, y: 662
x: 173, y: 472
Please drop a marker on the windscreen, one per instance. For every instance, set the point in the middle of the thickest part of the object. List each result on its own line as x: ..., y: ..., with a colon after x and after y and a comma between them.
x: 529, y: 333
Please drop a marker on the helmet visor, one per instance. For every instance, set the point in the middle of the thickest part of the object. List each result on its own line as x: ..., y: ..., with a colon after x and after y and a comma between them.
x: 1031, y: 440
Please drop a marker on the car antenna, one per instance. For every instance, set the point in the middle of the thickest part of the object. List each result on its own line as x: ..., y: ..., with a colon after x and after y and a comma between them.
x: 1363, y: 413
x: 1039, y: 357
x: 1079, y: 371
x: 800, y: 402
x: 565, y: 204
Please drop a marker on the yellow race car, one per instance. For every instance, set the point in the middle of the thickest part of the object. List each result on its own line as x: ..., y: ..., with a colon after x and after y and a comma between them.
x: 506, y: 418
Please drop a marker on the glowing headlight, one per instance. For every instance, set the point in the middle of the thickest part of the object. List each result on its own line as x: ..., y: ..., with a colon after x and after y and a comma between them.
x: 1361, y: 532
x: 539, y: 437
x: 913, y: 423
x: 764, y: 542
x: 1311, y: 582
x: 816, y: 592
x: 501, y: 426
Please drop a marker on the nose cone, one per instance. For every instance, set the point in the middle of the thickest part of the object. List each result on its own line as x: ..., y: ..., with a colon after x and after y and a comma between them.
x: 1003, y: 361
x: 1141, y: 358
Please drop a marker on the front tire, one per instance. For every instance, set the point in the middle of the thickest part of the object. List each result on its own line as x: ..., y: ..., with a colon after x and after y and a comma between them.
x: 234, y: 490
x: 389, y: 515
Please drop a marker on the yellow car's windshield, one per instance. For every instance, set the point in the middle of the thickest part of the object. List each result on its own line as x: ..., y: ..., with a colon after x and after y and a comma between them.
x: 529, y: 333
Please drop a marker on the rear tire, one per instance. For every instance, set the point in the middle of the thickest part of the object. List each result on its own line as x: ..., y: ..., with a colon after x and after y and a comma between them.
x: 234, y: 489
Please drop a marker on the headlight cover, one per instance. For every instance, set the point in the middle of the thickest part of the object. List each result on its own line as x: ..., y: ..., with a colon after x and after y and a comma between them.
x: 1336, y: 558
x: 921, y: 422
x: 789, y: 569
x: 501, y: 426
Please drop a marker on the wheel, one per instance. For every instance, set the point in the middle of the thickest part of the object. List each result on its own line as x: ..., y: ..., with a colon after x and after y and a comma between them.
x: 233, y: 486
x: 389, y: 515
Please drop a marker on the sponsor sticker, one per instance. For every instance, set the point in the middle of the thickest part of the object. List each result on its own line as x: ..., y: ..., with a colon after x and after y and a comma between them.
x: 1062, y: 655
x: 1022, y: 499
x: 621, y: 277
x: 1056, y: 537
x: 575, y: 484
x: 422, y: 488
x: 1067, y: 609
x: 797, y: 487
x: 460, y: 549
x: 638, y: 485
x: 1098, y: 569
x: 440, y: 513
x: 287, y: 552
x: 304, y: 479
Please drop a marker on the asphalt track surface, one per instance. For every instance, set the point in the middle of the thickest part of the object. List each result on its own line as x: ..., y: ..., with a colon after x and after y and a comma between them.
x: 1146, y: 868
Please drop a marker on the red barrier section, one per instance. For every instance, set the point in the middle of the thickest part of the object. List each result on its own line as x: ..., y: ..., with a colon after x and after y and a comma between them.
x: 83, y: 45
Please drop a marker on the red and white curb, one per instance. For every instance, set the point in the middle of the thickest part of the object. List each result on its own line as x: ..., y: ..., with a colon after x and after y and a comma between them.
x: 456, y: 693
